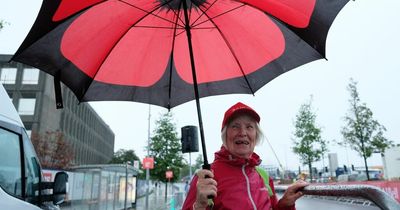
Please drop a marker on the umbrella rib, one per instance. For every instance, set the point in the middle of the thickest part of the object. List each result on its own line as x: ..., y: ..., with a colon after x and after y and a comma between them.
x: 203, y: 12
x: 177, y: 14
x: 151, y: 12
x: 203, y: 28
x: 233, y: 53
x: 210, y: 18
x: 198, y: 28
x: 190, y: 10
x: 172, y: 59
x: 159, y: 27
x: 147, y: 13
x: 281, y: 22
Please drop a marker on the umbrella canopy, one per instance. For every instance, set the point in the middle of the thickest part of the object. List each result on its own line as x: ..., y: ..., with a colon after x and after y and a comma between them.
x: 168, y: 52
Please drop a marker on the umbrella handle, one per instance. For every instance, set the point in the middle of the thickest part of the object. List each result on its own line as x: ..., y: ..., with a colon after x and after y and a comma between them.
x: 208, y: 167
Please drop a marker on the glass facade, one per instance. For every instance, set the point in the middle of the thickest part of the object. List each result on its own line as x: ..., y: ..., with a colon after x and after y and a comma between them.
x: 30, y: 76
x: 8, y: 75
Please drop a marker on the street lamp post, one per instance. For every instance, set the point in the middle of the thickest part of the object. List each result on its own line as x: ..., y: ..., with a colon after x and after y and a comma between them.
x: 126, y: 184
x: 166, y: 190
x: 148, y: 154
x: 190, y: 165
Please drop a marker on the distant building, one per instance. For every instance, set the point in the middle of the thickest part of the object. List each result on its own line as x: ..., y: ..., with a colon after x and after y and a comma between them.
x: 273, y: 171
x: 391, y: 160
x: 32, y: 93
x: 333, y: 163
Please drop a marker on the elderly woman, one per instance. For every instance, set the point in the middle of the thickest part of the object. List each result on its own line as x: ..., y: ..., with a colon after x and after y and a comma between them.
x: 233, y: 181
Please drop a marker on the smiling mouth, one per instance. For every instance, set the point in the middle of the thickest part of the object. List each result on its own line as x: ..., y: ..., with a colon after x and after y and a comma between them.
x: 242, y: 142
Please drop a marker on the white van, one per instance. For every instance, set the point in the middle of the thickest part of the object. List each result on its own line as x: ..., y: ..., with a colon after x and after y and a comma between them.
x: 20, y: 172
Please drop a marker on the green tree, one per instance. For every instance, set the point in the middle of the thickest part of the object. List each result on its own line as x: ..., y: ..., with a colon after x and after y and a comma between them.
x: 185, y: 170
x: 307, y: 140
x: 361, y: 132
x: 199, y: 163
x: 165, y: 147
x: 3, y: 23
x: 195, y: 166
x: 122, y: 156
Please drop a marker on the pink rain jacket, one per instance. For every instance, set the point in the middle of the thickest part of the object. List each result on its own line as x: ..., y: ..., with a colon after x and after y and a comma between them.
x: 240, y: 187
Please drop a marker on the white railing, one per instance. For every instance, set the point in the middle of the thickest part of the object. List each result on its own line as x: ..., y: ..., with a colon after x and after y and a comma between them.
x: 379, y: 197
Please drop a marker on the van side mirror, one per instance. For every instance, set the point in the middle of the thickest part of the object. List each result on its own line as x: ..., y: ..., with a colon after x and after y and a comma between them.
x: 60, y: 187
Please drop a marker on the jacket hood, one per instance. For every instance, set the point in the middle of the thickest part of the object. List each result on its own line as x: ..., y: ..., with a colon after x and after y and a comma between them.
x: 224, y: 155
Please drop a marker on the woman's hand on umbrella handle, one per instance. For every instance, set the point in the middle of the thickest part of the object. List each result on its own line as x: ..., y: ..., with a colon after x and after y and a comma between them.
x: 206, y: 187
x: 292, y: 194
x: 207, y: 166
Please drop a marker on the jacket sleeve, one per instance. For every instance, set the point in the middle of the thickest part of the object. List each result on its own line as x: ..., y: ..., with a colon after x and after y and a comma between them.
x: 274, y: 199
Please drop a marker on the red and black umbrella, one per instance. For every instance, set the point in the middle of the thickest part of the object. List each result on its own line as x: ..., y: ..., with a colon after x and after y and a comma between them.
x: 168, y: 52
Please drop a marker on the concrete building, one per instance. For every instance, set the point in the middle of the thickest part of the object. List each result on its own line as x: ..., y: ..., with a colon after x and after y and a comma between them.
x: 391, y: 163
x: 32, y: 93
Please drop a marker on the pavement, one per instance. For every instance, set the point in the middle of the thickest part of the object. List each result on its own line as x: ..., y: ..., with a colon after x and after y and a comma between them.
x: 157, y: 200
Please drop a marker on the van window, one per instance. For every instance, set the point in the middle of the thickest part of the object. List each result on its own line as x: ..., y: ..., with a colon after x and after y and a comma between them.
x: 32, y: 170
x: 10, y: 164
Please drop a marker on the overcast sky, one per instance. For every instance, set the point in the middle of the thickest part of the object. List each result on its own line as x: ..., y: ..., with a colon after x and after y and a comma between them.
x: 363, y: 44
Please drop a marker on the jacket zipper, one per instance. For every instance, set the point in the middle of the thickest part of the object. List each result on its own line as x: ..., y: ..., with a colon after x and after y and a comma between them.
x: 248, y: 187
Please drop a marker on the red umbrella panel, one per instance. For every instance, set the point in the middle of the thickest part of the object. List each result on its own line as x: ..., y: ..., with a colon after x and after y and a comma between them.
x: 168, y: 52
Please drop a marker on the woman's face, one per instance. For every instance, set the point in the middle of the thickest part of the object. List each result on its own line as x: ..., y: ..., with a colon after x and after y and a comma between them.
x: 241, y: 136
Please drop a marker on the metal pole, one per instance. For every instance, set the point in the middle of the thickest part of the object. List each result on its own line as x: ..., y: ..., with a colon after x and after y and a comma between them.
x: 166, y: 189
x: 195, y: 86
x: 323, y: 165
x: 126, y: 185
x: 148, y: 154
x: 190, y: 165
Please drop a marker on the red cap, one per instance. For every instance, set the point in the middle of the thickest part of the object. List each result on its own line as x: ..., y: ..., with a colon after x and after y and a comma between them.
x: 239, y: 108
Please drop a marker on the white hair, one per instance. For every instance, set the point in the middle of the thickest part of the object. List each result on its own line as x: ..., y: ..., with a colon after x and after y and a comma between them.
x: 259, y: 134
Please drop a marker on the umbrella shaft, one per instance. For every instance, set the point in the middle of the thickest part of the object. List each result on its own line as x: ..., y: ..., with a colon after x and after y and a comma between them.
x: 196, y: 90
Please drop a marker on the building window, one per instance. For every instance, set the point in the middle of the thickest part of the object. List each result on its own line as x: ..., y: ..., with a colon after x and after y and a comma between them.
x: 8, y: 75
x: 30, y: 76
x: 26, y: 106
